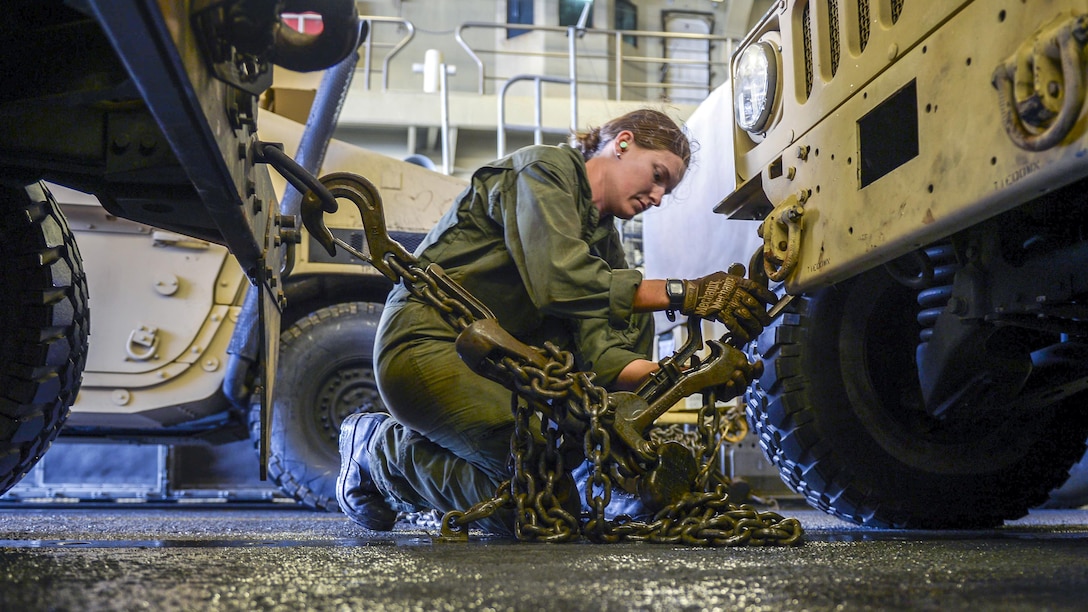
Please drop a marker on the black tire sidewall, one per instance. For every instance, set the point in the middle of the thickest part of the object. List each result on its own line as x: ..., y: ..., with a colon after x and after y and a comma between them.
x: 314, y: 351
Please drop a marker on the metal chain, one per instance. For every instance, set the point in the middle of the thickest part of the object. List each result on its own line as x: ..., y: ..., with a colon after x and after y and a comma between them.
x: 570, y: 405
x: 423, y: 286
x: 675, y: 432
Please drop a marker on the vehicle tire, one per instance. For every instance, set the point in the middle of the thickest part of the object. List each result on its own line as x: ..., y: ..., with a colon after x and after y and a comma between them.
x: 839, y: 412
x: 1074, y: 493
x: 44, y: 325
x: 325, y: 373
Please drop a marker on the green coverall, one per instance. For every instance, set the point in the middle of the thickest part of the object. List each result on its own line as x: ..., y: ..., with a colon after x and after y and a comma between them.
x: 527, y: 240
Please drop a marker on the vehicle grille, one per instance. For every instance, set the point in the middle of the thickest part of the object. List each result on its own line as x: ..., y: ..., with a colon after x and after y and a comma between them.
x: 836, y: 50
x: 863, y: 23
x: 835, y: 34
x: 806, y: 33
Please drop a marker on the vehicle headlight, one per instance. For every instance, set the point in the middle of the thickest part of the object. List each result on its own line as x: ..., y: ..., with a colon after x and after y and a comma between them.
x: 755, y: 86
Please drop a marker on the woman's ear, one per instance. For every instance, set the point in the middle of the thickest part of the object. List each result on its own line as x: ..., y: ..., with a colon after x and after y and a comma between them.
x: 623, y: 141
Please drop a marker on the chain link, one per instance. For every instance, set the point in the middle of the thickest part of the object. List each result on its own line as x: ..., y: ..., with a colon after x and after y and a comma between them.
x: 570, y: 406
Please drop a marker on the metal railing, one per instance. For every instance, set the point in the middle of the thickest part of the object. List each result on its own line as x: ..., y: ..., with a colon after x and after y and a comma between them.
x: 612, y: 50
x: 538, y: 115
x: 392, y: 49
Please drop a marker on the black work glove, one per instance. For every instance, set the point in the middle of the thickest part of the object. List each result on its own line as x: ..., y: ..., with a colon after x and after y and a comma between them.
x: 741, y: 304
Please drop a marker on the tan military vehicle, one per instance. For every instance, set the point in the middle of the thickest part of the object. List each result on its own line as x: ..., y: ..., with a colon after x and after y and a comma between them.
x: 166, y: 307
x: 150, y: 105
x: 920, y: 167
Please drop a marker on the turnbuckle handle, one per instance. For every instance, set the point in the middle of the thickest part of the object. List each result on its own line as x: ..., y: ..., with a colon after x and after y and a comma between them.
x: 670, y: 369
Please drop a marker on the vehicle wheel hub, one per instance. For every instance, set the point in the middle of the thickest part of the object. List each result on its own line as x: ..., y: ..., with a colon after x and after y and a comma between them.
x: 347, y: 390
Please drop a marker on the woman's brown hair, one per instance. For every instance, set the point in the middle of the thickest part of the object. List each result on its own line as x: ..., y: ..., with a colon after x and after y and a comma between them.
x: 652, y: 129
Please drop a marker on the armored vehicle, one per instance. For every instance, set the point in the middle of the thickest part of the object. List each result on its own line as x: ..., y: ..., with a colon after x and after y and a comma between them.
x: 919, y: 167
x: 161, y: 369
x: 152, y: 108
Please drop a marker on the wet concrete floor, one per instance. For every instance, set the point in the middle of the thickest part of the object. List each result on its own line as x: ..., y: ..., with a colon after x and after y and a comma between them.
x: 282, y: 558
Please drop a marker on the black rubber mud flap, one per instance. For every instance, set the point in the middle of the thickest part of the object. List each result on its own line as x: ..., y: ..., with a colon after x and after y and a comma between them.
x: 839, y: 412
x: 325, y: 373
x: 44, y: 323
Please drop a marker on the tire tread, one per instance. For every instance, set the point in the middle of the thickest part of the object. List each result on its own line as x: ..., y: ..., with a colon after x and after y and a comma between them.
x: 44, y: 345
